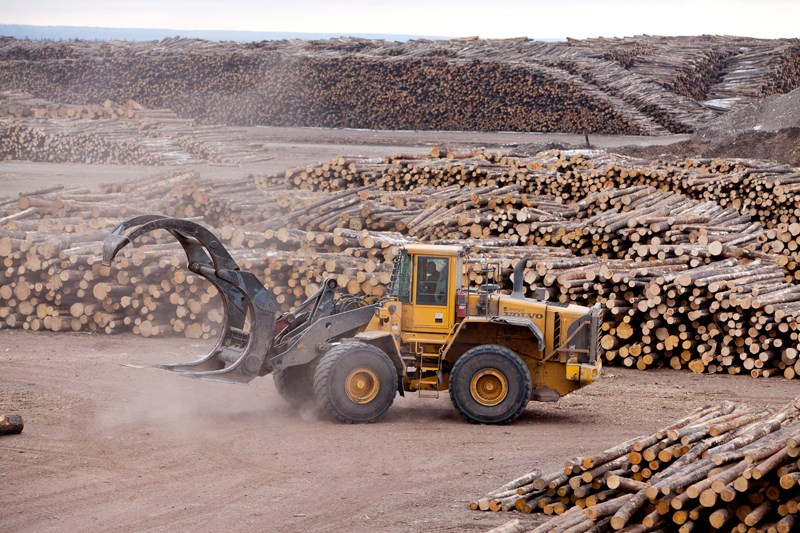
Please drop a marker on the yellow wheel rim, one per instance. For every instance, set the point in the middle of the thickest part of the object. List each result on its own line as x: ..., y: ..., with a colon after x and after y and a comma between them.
x: 488, y: 387
x: 362, y: 385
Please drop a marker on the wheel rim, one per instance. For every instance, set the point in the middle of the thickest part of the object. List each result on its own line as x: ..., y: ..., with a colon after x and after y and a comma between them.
x: 362, y: 385
x: 489, y: 387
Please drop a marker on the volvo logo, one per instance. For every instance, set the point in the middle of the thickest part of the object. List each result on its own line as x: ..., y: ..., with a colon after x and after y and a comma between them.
x: 521, y: 314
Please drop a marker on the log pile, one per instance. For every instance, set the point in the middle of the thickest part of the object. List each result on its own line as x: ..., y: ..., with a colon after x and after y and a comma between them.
x: 758, y: 189
x: 758, y: 71
x: 688, y: 66
x: 762, y: 190
x: 73, y: 142
x: 679, y: 311
x: 644, y: 85
x: 52, y: 278
x: 722, y: 466
x: 691, y: 284
x: 17, y: 104
x: 686, y: 282
x: 720, y: 71
x: 40, y: 130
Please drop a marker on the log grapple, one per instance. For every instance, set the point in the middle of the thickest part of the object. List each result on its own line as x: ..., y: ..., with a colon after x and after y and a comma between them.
x: 254, y: 341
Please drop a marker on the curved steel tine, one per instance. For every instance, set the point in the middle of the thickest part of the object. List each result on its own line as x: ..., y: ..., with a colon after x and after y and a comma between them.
x: 237, y: 356
x: 117, y: 240
x: 136, y: 221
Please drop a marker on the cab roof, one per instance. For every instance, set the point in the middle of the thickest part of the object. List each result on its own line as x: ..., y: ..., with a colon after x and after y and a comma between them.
x: 434, y: 249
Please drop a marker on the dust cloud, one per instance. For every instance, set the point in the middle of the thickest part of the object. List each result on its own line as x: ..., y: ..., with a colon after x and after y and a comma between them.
x: 159, y: 400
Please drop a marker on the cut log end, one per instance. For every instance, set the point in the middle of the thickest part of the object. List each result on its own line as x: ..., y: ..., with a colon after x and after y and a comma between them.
x: 11, y: 424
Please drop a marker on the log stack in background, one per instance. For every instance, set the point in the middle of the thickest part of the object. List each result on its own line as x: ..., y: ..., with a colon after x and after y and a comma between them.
x: 637, y: 85
x: 721, y: 71
x: 33, y: 129
x: 767, y: 192
x: 723, y: 467
x: 685, y: 281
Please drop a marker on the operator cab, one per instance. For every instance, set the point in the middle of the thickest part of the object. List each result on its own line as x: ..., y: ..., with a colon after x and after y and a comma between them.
x: 426, y: 278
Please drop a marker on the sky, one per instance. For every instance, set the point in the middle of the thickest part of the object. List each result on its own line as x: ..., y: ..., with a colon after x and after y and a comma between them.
x: 446, y: 18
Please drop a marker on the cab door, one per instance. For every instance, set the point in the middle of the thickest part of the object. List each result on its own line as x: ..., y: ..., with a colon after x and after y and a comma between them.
x: 433, y: 297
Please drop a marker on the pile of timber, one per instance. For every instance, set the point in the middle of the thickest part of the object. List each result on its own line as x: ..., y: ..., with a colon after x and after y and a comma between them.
x: 762, y: 190
x: 644, y: 85
x: 40, y: 130
x: 688, y: 66
x: 720, y: 71
x: 685, y: 310
x: 32, y: 129
x: 541, y: 188
x: 656, y: 106
x: 123, y: 142
x: 758, y: 71
x: 75, y: 141
x: 686, y: 283
x: 766, y: 192
x: 722, y: 466
x: 615, y: 222
x: 18, y: 104
x: 52, y: 278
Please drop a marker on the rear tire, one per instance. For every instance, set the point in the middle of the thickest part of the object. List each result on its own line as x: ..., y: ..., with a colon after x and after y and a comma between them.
x: 490, y: 384
x: 295, y: 384
x: 355, y: 382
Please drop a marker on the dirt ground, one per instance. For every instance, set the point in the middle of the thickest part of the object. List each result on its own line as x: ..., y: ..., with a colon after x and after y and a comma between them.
x: 110, y: 447
x: 782, y: 146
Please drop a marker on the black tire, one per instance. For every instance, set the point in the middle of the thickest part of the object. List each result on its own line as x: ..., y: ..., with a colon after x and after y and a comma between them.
x: 295, y: 384
x: 355, y: 363
x: 486, y: 367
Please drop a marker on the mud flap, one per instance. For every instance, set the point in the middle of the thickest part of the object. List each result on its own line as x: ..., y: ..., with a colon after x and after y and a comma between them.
x: 239, y: 355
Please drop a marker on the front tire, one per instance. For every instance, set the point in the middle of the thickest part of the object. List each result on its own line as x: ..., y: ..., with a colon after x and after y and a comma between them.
x: 355, y: 382
x: 490, y: 384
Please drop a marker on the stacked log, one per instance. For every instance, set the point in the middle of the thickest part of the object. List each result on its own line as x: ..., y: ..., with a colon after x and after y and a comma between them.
x: 722, y: 465
x: 759, y: 189
x: 34, y: 129
x: 52, y: 142
x: 51, y: 253
x: 721, y: 71
x: 645, y: 85
x: 688, y: 66
x: 254, y: 86
x: 762, y: 190
x: 19, y: 104
x: 53, y: 279
x: 11, y: 424
x: 758, y: 71
x: 708, y: 317
x: 149, y: 291
x: 686, y: 283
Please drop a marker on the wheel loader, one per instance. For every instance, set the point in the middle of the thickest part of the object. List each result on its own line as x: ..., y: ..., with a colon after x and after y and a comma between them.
x: 494, y: 352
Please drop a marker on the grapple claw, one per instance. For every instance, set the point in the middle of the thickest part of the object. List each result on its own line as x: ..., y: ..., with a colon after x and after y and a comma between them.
x: 239, y: 355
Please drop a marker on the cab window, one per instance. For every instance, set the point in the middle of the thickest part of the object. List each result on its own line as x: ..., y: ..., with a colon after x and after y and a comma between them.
x: 432, y: 276
x: 402, y: 282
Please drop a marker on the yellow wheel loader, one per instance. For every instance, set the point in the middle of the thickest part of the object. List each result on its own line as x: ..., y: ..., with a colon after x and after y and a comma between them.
x: 494, y: 352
